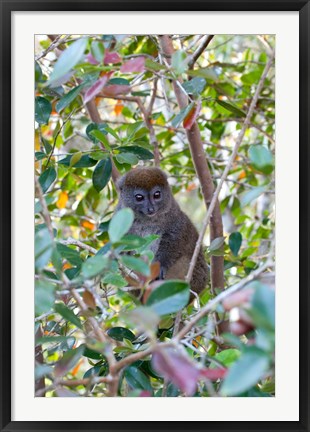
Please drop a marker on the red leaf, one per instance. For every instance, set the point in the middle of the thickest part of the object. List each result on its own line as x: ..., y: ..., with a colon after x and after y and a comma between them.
x: 91, y: 59
x: 114, y: 90
x: 145, y: 393
x: 96, y: 88
x: 213, y: 374
x: 177, y: 368
x: 111, y: 57
x: 237, y: 299
x: 192, y: 116
x: 133, y: 65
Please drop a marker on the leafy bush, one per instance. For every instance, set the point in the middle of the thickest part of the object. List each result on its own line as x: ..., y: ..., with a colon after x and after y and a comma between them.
x: 103, y: 105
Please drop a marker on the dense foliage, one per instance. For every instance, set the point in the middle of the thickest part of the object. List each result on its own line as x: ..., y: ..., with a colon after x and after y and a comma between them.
x: 103, y: 105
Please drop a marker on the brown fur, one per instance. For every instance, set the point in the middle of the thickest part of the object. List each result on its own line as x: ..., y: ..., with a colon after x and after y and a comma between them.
x: 145, y: 178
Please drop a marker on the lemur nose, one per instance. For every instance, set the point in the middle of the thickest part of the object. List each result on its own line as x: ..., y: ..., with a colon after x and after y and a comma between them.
x: 151, y: 210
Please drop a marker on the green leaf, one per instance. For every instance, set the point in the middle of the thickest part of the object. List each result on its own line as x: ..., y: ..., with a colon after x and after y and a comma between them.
x: 227, y: 357
x: 67, y: 129
x: 99, y: 155
x: 136, y: 264
x: 69, y: 254
x: 112, y: 132
x: 75, y: 158
x: 54, y: 339
x: 121, y: 333
x: 89, y: 353
x: 100, y: 136
x: 68, y: 314
x: 97, y: 50
x: 44, y: 297
x: 95, y: 126
x: 171, y: 296
x: 208, y: 73
x: 68, y: 59
x: 251, y: 195
x: 94, y: 266
x: 194, y: 86
x: 262, y: 158
x: 134, y: 130
x: 118, y: 81
x: 140, y: 152
x: 144, y: 93
x: 137, y: 379
x: 38, y: 72
x: 40, y: 155
x: 147, y: 241
x: 43, y: 109
x: 216, y: 244
x: 84, y: 162
x: 68, y: 361
x: 235, y: 240
x: 43, y: 248
x: 47, y: 178
x: 120, y: 224
x: 102, y: 174
x: 252, y: 77
x: 246, y: 372
x: 232, y: 108
x: 128, y: 158
x: 181, y: 116
x: 68, y: 98
x: 133, y: 242
x: 144, y: 318
x: 153, y: 66
x: 179, y: 62
x: 114, y: 279
x: 263, y: 306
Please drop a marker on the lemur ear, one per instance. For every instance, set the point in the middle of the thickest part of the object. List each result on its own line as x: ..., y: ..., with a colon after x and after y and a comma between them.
x: 120, y: 183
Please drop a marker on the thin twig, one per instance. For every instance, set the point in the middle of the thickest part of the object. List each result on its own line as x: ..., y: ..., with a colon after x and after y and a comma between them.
x: 203, y: 45
x: 81, y: 245
x: 56, y: 42
x: 56, y: 136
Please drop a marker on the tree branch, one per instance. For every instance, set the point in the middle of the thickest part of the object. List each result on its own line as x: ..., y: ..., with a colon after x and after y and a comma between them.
x: 203, y: 45
x: 228, y: 167
x: 202, y: 170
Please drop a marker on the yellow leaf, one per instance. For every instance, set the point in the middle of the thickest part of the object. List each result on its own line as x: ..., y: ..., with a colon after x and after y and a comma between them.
x: 62, y: 200
x: 242, y: 175
x: 37, y: 142
x: 76, y: 368
x: 196, y: 341
x: 89, y: 225
x: 75, y: 158
x: 118, y: 108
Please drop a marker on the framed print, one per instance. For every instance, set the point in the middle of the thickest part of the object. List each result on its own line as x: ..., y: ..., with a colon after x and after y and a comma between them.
x: 154, y: 179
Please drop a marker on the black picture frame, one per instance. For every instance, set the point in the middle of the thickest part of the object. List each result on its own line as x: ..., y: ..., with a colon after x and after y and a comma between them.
x: 7, y: 7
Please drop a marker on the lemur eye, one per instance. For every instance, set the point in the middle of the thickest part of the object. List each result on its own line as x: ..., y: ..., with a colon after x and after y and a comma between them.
x: 139, y: 197
x: 157, y: 195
